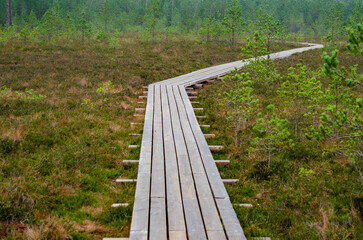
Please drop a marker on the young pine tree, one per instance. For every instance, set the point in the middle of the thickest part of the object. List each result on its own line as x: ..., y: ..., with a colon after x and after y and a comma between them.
x: 273, y: 134
x: 84, y: 26
x: 233, y: 20
x: 153, y: 14
x: 268, y: 27
x: 206, y: 29
x: 51, y: 23
x: 302, y: 94
x: 239, y: 99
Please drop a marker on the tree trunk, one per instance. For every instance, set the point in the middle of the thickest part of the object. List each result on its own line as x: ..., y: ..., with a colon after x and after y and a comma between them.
x: 236, y: 129
x: 9, y: 14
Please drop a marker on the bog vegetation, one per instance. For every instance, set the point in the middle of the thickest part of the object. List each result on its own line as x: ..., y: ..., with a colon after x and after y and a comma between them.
x: 70, y: 74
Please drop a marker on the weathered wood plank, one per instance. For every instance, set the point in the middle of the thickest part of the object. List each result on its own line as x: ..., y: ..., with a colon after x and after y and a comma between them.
x: 116, y: 205
x: 129, y: 162
x: 222, y: 162
x: 177, y: 235
x: 122, y: 180
x: 158, y: 171
x: 230, y: 220
x: 140, y: 213
x: 206, y: 201
x: 158, y: 219
x: 174, y: 201
x: 158, y: 202
x: 193, y: 218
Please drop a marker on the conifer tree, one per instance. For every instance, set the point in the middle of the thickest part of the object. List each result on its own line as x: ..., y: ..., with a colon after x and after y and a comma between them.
x: 274, y: 134
x: 267, y: 26
x: 32, y: 20
x: 83, y: 25
x: 206, y: 29
x: 51, y: 23
x: 151, y: 18
x: 239, y: 100
x: 233, y: 21
x: 302, y: 93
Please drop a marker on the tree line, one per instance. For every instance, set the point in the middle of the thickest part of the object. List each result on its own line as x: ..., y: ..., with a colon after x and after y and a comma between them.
x: 212, y: 19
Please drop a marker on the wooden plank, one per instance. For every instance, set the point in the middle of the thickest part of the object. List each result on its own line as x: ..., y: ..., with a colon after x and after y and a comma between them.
x: 228, y: 216
x: 233, y: 228
x: 230, y: 181
x: 246, y: 205
x: 176, y: 223
x: 192, y: 93
x: 198, y: 86
x: 135, y: 134
x: 116, y: 205
x: 208, y: 136
x: 208, y: 208
x: 158, y: 171
x: 216, y: 235
x: 129, y: 162
x: 194, y: 222
x: 138, y: 235
x: 158, y: 204
x: 158, y: 219
x: 215, y: 180
x: 122, y: 180
x: 140, y: 213
x: 133, y: 146
x: 215, y: 148
x: 222, y: 162
x: 177, y: 235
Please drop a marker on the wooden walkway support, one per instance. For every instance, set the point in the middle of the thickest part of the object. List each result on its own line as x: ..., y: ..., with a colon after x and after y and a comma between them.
x: 179, y: 191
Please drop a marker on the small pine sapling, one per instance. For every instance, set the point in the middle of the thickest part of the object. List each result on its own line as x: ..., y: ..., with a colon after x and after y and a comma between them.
x: 268, y: 27
x: 273, y: 134
x: 84, y: 26
x: 255, y: 48
x: 239, y: 99
x: 301, y: 92
x: 206, y: 29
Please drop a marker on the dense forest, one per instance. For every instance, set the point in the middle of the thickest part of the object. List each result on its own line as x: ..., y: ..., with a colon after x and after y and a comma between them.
x: 208, y: 18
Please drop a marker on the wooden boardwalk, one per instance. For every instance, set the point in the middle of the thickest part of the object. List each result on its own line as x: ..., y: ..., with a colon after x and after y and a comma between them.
x: 179, y: 192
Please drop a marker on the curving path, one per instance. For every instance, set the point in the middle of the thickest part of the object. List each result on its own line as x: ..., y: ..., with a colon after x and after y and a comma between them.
x: 179, y: 192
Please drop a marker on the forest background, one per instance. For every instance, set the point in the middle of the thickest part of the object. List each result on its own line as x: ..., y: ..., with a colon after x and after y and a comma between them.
x: 46, y: 20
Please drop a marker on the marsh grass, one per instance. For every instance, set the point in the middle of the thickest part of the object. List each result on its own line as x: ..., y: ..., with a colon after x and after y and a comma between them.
x: 59, y: 154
